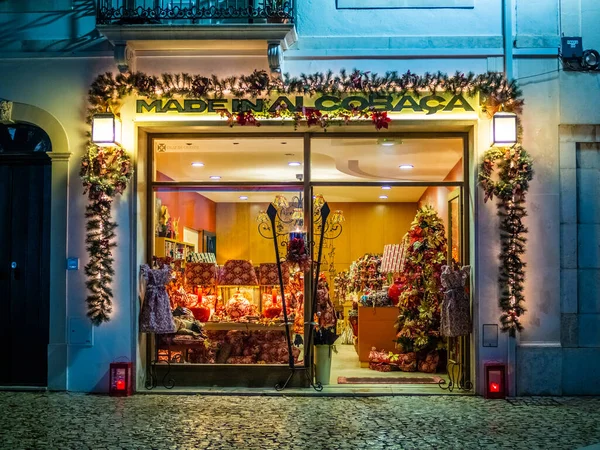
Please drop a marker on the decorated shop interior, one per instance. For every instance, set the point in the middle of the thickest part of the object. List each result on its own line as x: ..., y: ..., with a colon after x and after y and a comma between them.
x: 311, y: 237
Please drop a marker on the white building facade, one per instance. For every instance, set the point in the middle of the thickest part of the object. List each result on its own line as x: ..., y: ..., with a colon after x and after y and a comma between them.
x: 53, y: 52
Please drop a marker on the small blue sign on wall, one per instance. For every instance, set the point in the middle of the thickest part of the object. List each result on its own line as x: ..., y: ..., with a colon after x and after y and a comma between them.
x: 72, y: 263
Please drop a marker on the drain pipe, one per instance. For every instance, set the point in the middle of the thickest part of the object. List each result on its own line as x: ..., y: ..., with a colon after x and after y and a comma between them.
x: 507, y: 32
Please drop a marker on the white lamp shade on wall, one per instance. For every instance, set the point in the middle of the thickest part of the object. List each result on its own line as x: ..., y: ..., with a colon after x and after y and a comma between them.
x: 106, y: 129
x: 504, y: 128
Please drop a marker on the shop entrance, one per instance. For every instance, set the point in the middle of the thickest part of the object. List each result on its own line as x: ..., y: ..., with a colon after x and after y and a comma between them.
x: 395, y: 217
x: 24, y: 254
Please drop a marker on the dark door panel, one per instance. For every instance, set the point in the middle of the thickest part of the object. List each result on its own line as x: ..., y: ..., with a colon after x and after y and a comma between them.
x: 25, y: 309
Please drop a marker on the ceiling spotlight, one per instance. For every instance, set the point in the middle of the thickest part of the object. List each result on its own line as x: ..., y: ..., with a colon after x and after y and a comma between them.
x: 386, y: 188
x: 198, y: 164
x: 283, y: 143
x: 406, y: 166
x: 383, y: 197
x: 294, y: 163
x: 215, y: 177
x: 243, y: 197
x: 236, y: 143
x: 387, y: 142
x: 188, y: 143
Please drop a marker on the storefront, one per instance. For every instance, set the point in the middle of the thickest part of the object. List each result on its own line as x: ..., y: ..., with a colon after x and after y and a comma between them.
x: 204, y: 196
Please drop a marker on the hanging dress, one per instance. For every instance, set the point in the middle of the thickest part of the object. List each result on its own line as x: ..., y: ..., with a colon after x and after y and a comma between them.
x: 156, y: 316
x: 455, y: 309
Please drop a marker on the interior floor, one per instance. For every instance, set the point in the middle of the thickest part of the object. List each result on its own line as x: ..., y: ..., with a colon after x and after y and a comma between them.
x: 345, y: 363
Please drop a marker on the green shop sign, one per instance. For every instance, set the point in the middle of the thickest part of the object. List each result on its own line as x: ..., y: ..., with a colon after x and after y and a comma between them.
x: 427, y: 104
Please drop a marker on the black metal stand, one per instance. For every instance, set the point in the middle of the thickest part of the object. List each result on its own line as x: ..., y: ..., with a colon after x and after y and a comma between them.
x: 456, y: 375
x: 308, y: 370
x: 151, y: 380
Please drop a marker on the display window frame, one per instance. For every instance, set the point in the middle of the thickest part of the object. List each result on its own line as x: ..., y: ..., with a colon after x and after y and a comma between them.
x: 308, y: 185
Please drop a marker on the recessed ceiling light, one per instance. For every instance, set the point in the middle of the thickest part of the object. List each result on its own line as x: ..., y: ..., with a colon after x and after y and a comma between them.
x: 288, y: 154
x: 198, y: 164
x: 383, y: 197
x: 215, y: 177
x: 236, y: 143
x: 406, y: 166
x: 386, y: 188
x: 283, y: 143
x: 243, y: 197
x: 188, y: 143
x: 294, y: 163
x: 387, y: 142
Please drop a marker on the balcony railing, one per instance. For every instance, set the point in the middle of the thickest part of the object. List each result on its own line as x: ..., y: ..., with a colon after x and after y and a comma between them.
x: 201, y: 12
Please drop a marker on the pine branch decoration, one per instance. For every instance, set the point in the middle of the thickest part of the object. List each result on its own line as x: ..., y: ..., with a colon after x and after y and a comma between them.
x: 105, y: 172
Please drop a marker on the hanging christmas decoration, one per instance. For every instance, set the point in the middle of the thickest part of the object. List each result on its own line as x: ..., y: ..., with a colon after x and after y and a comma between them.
x: 105, y: 172
x: 509, y: 186
x: 493, y: 88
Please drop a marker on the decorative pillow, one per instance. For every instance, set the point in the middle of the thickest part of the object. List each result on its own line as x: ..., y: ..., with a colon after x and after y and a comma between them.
x: 200, y: 274
x: 238, y: 272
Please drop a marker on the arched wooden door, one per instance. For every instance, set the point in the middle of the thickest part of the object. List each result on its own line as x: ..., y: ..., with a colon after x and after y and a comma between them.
x: 24, y: 254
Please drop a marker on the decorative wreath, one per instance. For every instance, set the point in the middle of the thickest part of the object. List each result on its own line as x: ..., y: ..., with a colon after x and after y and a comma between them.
x: 515, y: 171
x: 105, y: 172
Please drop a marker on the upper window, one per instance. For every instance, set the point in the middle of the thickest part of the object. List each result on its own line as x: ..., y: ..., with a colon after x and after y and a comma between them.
x: 23, y: 138
x: 375, y: 4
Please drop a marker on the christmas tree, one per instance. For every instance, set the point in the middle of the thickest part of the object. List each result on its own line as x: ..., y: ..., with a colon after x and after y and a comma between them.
x: 418, y: 324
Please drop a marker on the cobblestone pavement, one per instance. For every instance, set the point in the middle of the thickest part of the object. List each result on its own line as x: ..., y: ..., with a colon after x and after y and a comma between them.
x: 77, y: 421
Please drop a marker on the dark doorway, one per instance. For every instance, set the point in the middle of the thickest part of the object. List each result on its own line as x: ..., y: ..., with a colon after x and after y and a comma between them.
x: 25, y: 172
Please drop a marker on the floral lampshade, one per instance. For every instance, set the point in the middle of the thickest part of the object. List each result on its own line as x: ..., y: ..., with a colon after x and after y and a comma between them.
x: 298, y: 214
x: 280, y: 201
x: 318, y: 202
x: 337, y: 217
x: 262, y: 217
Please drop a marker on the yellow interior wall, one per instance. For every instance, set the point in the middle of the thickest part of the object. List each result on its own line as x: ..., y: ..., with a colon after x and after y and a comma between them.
x: 367, y: 229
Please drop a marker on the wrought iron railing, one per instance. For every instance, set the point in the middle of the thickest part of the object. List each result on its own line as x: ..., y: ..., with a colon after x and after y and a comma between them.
x: 202, y: 12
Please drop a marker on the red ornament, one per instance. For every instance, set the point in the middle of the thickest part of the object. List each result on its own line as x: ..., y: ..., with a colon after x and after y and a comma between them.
x: 380, y: 119
x: 394, y: 291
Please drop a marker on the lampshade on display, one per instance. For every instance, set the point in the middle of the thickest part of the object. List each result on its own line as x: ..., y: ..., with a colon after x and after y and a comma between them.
x: 106, y: 129
x: 504, y: 128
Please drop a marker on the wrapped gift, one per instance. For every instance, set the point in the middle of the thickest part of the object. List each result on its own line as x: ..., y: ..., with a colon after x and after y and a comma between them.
x: 200, y: 274
x: 407, y: 362
x: 238, y: 272
x: 430, y: 363
x: 379, y: 357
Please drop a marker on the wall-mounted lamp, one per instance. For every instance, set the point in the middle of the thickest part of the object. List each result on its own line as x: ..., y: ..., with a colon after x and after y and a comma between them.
x: 504, y: 129
x: 106, y: 129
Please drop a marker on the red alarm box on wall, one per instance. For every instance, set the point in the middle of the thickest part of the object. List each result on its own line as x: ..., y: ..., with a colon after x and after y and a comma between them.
x: 120, y: 379
x: 495, y: 380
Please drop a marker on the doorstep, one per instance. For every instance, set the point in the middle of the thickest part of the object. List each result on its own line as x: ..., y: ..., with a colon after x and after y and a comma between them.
x: 364, y: 390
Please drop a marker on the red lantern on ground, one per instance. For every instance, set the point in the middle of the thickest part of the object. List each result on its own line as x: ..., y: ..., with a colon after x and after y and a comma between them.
x: 495, y: 380
x: 120, y: 379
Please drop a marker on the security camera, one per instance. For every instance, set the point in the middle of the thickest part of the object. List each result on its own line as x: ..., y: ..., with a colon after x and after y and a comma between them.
x: 299, y: 177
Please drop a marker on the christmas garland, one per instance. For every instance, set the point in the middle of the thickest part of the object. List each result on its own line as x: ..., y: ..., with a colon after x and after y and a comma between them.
x: 105, y: 172
x: 493, y: 88
x: 515, y: 171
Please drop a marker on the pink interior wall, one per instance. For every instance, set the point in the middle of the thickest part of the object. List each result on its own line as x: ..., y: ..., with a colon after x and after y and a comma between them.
x: 437, y: 196
x: 192, y: 209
